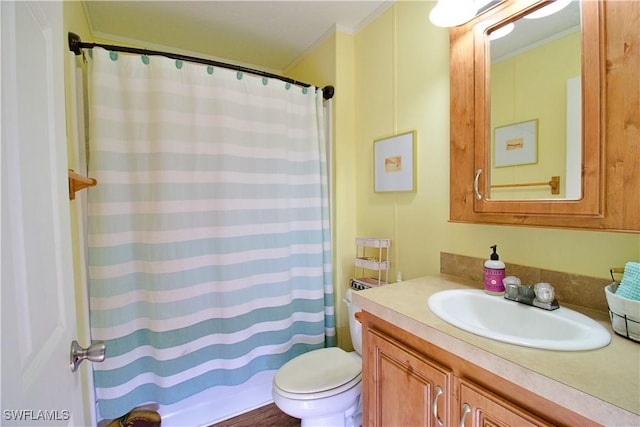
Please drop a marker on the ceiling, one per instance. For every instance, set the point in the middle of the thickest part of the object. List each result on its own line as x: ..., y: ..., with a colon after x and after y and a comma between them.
x: 268, y: 35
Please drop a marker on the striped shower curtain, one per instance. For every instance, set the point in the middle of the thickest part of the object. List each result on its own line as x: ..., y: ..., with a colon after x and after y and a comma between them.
x: 208, y: 232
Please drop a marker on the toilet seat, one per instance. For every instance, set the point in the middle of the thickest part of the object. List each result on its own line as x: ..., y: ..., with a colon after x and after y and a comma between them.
x: 318, y: 373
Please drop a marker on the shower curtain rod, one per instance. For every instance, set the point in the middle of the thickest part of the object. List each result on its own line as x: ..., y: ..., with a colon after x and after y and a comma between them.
x: 76, y: 45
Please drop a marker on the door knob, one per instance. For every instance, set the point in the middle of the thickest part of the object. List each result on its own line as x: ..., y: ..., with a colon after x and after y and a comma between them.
x: 94, y: 353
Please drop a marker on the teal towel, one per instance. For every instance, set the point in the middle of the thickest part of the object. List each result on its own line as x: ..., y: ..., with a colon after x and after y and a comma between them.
x: 630, y: 284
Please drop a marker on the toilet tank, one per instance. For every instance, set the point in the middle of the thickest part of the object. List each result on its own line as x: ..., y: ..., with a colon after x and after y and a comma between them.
x: 355, y: 327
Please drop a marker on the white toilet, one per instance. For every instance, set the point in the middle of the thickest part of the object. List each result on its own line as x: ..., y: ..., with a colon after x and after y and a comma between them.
x: 323, y: 387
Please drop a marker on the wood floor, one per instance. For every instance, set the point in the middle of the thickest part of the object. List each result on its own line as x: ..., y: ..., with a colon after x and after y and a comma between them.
x: 266, y: 416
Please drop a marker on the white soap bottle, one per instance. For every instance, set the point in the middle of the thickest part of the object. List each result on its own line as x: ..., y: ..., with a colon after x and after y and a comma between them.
x: 494, y: 271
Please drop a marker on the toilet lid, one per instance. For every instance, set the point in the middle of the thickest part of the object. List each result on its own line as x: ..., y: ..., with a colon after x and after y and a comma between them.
x: 317, y: 371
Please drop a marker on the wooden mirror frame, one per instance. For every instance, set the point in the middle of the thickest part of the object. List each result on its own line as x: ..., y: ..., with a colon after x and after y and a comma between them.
x: 470, y: 125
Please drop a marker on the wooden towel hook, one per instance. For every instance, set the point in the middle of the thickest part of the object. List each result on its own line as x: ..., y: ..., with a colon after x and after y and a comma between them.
x: 78, y: 182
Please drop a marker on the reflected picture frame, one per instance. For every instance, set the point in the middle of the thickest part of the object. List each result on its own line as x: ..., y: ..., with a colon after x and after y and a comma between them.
x: 516, y: 144
x: 394, y: 163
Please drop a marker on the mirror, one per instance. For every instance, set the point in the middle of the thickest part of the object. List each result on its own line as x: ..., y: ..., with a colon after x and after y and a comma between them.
x: 535, y: 105
x: 470, y: 136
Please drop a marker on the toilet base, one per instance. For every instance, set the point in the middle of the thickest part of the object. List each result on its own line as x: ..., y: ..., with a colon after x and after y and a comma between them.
x: 352, y: 417
x: 332, y: 420
x: 341, y: 410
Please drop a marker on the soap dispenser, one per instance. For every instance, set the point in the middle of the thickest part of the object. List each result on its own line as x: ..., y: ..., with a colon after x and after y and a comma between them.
x: 494, y: 270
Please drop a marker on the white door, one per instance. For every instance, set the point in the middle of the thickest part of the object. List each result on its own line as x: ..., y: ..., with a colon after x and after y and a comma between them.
x: 37, y: 296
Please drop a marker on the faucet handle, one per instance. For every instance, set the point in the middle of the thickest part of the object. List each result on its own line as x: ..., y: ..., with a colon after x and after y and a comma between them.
x: 511, y: 285
x: 544, y: 292
x: 545, y: 297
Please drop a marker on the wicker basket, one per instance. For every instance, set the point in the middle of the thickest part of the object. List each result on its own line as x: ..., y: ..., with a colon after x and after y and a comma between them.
x: 624, y: 313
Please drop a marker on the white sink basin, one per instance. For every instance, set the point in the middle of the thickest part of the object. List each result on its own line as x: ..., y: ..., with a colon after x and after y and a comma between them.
x: 508, y: 321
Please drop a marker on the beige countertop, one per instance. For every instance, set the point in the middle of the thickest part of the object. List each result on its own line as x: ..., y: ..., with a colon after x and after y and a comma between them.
x: 602, y: 384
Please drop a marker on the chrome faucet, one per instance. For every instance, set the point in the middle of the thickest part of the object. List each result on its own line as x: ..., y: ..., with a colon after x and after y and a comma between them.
x: 541, y: 295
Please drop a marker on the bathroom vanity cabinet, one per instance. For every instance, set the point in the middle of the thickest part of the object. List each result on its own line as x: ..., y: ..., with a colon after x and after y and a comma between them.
x: 403, y: 386
x: 479, y: 407
x: 409, y: 381
x: 412, y: 360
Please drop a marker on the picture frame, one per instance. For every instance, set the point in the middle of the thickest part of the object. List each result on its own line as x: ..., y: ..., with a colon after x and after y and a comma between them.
x: 516, y: 144
x: 394, y: 163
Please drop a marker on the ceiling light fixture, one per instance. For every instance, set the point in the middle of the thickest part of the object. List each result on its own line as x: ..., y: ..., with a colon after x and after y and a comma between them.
x: 451, y: 13
x: 502, y: 31
x: 549, y: 9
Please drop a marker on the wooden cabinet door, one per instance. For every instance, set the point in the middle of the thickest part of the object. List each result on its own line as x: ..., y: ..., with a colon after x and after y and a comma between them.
x: 402, y: 387
x: 480, y: 408
x: 610, y: 152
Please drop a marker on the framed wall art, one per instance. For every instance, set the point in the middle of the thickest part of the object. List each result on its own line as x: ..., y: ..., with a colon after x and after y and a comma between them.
x: 394, y: 163
x: 516, y: 144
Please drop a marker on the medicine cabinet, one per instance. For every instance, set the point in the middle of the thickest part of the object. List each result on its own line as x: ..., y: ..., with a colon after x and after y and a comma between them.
x: 493, y: 178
